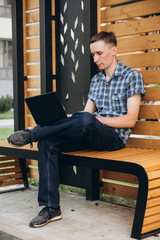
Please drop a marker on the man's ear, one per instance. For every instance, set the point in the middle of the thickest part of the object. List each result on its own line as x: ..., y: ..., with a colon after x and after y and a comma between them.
x: 114, y: 50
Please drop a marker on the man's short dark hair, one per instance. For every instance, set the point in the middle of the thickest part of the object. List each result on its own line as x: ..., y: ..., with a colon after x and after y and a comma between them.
x: 107, y: 37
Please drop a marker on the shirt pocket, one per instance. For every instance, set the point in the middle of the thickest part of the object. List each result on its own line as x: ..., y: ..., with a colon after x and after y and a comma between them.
x: 119, y: 102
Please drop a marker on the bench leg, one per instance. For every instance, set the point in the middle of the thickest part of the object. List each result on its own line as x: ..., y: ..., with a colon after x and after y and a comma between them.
x: 92, y: 190
x: 141, y: 204
x: 24, y: 172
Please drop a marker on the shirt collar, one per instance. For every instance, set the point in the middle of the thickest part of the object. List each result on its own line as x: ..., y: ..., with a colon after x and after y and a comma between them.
x: 118, y: 71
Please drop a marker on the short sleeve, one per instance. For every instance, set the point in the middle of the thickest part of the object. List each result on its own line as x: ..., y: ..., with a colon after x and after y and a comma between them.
x: 91, y: 94
x: 135, y: 84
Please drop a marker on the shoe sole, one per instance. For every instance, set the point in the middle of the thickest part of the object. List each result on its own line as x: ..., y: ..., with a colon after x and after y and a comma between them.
x: 15, y: 145
x: 50, y: 220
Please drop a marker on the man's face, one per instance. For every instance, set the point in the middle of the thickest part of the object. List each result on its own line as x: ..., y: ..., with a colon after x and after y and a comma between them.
x: 103, y: 54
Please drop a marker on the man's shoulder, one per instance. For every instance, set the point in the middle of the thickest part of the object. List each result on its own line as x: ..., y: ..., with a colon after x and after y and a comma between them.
x: 98, y: 77
x: 129, y: 71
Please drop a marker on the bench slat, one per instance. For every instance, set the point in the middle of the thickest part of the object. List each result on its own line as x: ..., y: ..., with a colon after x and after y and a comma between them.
x: 30, y: 4
x: 153, y: 202
x: 8, y: 164
x: 154, y: 183
x: 10, y: 170
x: 140, y: 60
x: 11, y: 176
x: 33, y: 57
x: 27, y: 147
x: 152, y: 94
x: 149, y: 112
x: 151, y: 76
x: 33, y: 162
x: 150, y: 227
x: 147, y: 128
x: 151, y: 211
x: 143, y: 143
x: 33, y: 93
x: 130, y: 11
x: 154, y: 175
x: 119, y: 177
x: 140, y: 43
x: 7, y: 158
x: 33, y: 83
x: 154, y: 193
x: 32, y: 17
x: 152, y: 219
x: 33, y: 43
x: 33, y: 70
x: 111, y: 2
x: 115, y: 189
x: 135, y: 26
x: 31, y: 122
x: 125, y: 154
x: 34, y: 173
x: 12, y: 182
x: 32, y: 30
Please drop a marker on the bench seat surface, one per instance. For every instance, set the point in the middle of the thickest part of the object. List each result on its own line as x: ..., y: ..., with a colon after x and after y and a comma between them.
x: 149, y: 159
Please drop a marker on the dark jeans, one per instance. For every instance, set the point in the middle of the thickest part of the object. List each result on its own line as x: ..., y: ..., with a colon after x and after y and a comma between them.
x: 81, y: 131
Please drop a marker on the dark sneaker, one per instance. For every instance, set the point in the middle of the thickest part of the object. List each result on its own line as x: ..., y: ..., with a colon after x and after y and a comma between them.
x: 20, y: 138
x: 45, y: 216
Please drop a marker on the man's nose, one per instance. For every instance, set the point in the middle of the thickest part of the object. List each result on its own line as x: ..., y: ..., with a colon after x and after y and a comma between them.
x: 95, y: 58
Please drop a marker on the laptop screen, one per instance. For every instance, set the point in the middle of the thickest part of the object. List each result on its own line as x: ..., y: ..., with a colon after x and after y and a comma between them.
x: 46, y: 108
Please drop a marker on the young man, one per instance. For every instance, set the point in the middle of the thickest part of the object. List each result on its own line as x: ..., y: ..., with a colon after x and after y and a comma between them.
x: 105, y: 124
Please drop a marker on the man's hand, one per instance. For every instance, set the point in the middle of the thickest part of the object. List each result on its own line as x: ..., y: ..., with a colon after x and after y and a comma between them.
x: 101, y: 119
x: 69, y: 115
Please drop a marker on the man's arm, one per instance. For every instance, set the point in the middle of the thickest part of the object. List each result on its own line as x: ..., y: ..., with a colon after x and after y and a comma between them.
x: 90, y: 107
x: 128, y: 120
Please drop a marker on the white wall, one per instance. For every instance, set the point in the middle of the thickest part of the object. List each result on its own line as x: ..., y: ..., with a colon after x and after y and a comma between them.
x: 6, y: 28
x: 6, y: 87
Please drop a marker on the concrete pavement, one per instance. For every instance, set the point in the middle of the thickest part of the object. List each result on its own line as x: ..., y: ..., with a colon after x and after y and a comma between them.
x: 81, y: 219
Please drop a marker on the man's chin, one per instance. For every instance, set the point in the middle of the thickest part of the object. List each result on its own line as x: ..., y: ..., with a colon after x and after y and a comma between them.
x: 100, y: 68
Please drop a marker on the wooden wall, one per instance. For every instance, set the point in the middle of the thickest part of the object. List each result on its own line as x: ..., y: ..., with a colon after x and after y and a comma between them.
x: 31, y: 41
x: 31, y: 36
x: 136, y: 25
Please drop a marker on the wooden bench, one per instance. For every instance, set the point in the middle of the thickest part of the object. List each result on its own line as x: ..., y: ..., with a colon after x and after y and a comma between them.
x: 143, y: 163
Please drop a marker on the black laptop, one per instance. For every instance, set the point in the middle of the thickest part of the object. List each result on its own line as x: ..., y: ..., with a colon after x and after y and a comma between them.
x: 46, y: 108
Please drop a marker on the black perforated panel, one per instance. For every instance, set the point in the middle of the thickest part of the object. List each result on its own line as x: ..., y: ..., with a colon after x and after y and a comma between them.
x: 74, y: 53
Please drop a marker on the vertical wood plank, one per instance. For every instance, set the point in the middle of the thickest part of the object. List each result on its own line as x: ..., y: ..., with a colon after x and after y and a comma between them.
x: 25, y: 61
x: 53, y: 49
x: 98, y: 15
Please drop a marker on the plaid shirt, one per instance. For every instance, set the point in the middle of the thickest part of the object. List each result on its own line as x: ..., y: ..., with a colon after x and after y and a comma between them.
x: 111, y: 96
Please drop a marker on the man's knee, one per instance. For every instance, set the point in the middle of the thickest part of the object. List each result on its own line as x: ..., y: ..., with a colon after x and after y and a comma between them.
x: 88, y: 119
x: 42, y: 143
x: 45, y: 142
